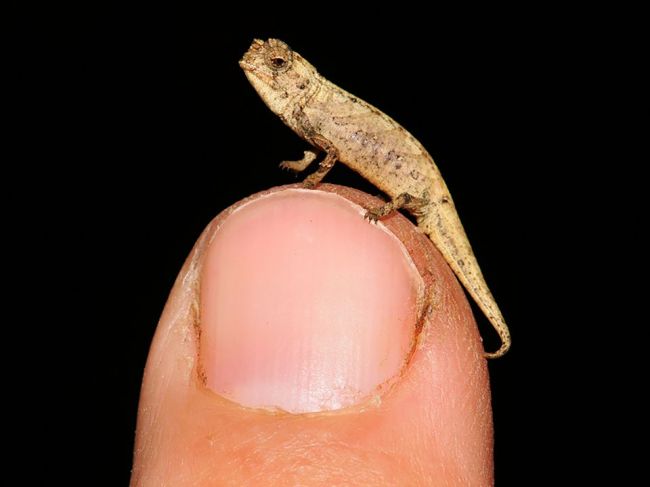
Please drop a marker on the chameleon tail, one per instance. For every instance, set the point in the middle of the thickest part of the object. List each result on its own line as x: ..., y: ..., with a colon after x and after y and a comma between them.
x: 441, y: 223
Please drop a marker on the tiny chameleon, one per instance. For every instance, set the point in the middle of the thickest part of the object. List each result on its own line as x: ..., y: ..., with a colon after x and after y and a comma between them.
x: 371, y: 143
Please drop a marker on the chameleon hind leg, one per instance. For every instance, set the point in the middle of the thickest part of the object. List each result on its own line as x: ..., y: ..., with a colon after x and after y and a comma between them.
x: 404, y: 200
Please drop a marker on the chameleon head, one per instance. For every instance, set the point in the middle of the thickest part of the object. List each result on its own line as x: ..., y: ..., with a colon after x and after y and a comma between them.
x: 279, y: 75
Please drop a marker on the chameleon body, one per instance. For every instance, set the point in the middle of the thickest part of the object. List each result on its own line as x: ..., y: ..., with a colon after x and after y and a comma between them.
x: 371, y: 143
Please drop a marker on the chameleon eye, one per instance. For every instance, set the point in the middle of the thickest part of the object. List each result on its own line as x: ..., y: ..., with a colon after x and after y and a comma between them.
x: 278, y: 56
x: 278, y: 62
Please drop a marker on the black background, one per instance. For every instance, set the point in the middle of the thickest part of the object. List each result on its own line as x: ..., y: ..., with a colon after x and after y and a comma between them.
x: 157, y: 130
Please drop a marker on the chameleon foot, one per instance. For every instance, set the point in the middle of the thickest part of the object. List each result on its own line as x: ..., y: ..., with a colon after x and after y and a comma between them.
x: 301, y: 165
x: 404, y: 200
x: 373, y: 214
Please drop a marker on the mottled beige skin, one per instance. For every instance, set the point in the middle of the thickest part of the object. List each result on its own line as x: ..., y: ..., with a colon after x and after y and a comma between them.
x: 374, y: 145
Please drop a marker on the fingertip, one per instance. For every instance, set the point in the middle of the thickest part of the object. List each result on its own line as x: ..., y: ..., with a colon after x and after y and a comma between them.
x: 428, y: 422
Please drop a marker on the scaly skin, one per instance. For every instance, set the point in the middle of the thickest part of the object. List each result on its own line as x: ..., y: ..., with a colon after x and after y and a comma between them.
x: 374, y: 145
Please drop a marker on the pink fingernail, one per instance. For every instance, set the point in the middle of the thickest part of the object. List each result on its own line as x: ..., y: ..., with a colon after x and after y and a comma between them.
x: 305, y: 306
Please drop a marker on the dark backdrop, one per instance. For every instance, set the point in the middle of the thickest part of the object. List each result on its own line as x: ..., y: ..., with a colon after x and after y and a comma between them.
x: 165, y: 132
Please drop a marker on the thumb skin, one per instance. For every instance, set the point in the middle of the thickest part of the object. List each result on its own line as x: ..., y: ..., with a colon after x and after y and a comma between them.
x: 302, y: 345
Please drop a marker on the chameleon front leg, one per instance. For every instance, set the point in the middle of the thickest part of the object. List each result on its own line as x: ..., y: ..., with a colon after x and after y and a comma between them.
x: 404, y: 200
x: 331, y: 156
x: 301, y: 165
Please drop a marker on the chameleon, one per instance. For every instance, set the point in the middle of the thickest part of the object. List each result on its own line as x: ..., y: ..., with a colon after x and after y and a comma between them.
x: 352, y: 131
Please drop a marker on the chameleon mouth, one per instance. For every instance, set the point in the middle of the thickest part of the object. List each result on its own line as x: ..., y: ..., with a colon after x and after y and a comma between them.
x: 250, y: 64
x: 246, y: 66
x: 254, y: 74
x: 252, y: 52
x: 247, y: 62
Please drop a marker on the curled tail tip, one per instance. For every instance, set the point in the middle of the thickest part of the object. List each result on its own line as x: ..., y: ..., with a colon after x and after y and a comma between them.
x: 505, y: 346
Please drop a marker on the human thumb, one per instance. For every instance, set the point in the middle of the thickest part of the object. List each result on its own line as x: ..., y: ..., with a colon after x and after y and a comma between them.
x: 302, y: 345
